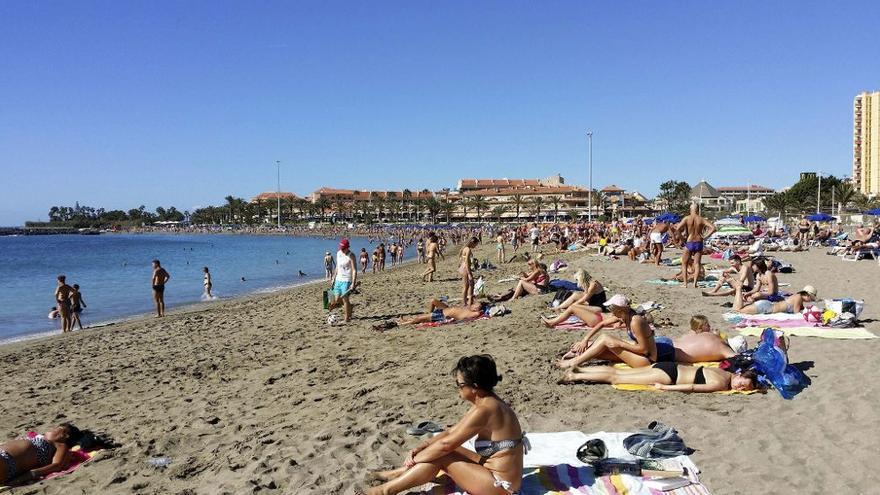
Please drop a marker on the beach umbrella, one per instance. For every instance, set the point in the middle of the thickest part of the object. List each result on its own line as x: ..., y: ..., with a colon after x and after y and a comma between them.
x: 875, y: 212
x: 754, y: 218
x: 668, y: 217
x: 820, y: 217
x: 728, y: 221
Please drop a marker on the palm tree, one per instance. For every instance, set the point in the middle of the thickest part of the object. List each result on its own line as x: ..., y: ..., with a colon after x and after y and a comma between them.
x: 479, y: 203
x: 433, y: 206
x: 864, y: 203
x: 555, y: 201
x: 321, y: 205
x: 498, y: 211
x: 845, y: 194
x: 418, y: 204
x: 407, y: 197
x: 518, y: 202
x: 536, y: 204
x: 448, y: 207
x: 776, y: 202
x: 230, y: 203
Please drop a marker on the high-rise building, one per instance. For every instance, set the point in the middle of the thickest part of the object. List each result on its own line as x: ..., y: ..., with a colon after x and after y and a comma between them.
x: 866, y: 142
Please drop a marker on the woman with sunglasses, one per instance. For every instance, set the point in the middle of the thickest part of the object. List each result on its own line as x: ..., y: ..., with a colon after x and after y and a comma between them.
x: 495, y: 468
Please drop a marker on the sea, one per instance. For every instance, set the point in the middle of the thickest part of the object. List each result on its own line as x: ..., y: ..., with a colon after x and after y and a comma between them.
x: 114, y: 272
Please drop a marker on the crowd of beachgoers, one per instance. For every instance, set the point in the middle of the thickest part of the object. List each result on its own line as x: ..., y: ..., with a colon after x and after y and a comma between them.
x: 748, y: 276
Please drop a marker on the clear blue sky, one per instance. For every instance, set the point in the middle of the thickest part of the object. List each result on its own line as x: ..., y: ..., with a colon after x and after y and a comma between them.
x: 118, y: 104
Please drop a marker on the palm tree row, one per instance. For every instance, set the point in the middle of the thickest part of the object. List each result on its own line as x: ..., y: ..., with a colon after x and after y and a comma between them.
x: 846, y: 199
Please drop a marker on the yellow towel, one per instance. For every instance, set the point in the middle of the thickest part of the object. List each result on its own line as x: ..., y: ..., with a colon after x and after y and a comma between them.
x: 643, y: 388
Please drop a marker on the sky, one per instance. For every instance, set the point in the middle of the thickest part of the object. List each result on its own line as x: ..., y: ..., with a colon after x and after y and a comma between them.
x: 117, y: 104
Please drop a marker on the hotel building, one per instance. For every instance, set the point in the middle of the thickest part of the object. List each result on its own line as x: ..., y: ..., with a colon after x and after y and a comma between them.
x: 866, y: 142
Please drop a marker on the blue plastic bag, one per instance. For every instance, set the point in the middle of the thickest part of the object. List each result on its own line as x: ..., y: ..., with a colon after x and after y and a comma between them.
x: 772, y: 366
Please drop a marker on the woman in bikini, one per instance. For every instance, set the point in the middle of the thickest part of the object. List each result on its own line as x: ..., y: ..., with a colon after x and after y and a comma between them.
x: 666, y: 376
x: 28, y: 459
x: 642, y: 349
x: 534, y: 282
x: 592, y: 297
x: 464, y: 269
x: 794, y: 303
x: 496, y: 468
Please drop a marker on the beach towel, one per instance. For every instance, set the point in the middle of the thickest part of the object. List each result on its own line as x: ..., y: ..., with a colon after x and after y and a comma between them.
x: 737, y: 317
x: 450, y: 321
x: 77, y: 458
x: 820, y: 332
x: 650, y: 388
x: 572, y: 323
x: 552, y: 467
x: 703, y: 284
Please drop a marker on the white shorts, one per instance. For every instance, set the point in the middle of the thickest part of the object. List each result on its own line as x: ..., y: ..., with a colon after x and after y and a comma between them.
x: 656, y: 238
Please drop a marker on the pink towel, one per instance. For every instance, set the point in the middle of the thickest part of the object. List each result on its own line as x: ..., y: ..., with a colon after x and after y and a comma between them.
x: 77, y: 458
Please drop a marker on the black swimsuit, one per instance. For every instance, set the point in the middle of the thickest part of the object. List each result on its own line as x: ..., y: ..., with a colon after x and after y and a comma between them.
x: 671, y: 370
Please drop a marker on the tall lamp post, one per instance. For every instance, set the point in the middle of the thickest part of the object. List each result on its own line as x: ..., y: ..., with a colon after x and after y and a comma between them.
x: 819, y: 192
x: 590, y: 192
x: 278, y: 191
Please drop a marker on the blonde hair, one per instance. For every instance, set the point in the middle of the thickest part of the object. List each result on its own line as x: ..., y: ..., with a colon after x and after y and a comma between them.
x: 583, y: 278
x: 698, y: 322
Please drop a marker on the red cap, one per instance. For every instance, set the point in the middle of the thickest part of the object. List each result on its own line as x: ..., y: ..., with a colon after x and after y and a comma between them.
x: 343, y: 244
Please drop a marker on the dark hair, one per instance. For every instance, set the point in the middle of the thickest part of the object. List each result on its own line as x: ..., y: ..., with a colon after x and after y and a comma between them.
x: 735, y: 257
x: 760, y: 265
x: 752, y: 376
x: 478, y: 371
x: 61, y: 278
x: 474, y: 240
x: 86, y: 439
x: 76, y: 286
x: 157, y: 262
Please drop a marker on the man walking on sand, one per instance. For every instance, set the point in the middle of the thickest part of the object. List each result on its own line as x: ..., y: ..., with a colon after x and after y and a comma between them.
x: 160, y: 278
x: 696, y: 228
x: 344, y: 278
x: 656, y: 237
x: 63, y: 292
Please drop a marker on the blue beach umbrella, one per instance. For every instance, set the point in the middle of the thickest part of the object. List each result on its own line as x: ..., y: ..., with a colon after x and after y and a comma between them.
x: 754, y: 218
x: 668, y: 217
x: 820, y: 217
x: 875, y: 212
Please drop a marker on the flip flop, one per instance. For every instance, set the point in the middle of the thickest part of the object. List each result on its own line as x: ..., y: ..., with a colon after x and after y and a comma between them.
x: 424, y: 428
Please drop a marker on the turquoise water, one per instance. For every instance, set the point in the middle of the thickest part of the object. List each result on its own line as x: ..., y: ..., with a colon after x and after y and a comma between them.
x: 113, y: 272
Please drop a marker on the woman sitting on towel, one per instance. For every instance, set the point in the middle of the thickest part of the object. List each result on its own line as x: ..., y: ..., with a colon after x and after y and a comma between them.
x: 496, y: 468
x: 28, y: 459
x: 794, y: 303
x: 666, y: 376
x: 592, y: 297
x: 641, y: 351
x: 535, y: 282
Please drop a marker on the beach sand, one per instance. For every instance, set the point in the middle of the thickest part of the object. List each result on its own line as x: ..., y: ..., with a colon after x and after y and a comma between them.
x: 260, y: 395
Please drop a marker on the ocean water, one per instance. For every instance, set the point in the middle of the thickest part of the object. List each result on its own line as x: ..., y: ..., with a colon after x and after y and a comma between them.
x: 114, y: 271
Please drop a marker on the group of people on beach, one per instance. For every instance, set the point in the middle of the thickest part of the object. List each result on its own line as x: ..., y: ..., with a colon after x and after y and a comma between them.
x: 496, y: 464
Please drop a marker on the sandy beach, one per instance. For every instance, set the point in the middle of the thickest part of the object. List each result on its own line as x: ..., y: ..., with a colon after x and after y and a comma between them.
x: 260, y: 395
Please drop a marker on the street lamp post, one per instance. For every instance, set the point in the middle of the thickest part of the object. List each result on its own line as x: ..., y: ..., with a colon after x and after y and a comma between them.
x: 819, y: 191
x: 590, y: 192
x: 278, y: 191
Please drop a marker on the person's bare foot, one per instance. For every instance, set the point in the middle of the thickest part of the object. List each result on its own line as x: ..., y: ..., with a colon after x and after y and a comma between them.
x: 546, y: 322
x: 567, y: 378
x: 564, y: 364
x: 386, y: 475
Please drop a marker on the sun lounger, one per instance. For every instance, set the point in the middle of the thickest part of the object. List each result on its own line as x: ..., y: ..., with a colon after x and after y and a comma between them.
x: 552, y: 467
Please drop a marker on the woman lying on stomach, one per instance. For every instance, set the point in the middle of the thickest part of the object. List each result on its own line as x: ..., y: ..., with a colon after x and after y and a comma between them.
x: 28, y: 459
x: 495, y: 468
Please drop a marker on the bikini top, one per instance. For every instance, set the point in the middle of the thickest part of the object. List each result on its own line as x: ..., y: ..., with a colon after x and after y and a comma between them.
x: 487, y: 448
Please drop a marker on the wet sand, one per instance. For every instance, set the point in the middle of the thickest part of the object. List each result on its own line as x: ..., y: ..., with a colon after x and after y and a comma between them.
x: 260, y: 395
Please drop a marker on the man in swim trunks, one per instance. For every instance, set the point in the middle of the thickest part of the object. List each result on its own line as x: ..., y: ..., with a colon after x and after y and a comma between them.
x: 63, y: 292
x: 344, y: 278
x: 696, y: 228
x: 160, y: 278
x: 440, y: 311
x: 657, y: 232
x: 701, y: 344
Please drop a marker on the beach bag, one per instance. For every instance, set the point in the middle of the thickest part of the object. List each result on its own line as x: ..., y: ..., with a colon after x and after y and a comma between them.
x: 560, y: 297
x: 843, y: 320
x: 771, y: 362
x: 846, y: 305
x: 812, y: 315
x: 498, y: 310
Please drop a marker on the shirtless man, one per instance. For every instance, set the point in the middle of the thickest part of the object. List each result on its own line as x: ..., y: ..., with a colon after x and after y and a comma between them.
x: 657, y: 232
x: 431, y: 253
x: 440, y: 311
x: 160, y: 278
x: 766, y: 285
x: 701, y: 344
x: 696, y: 228
x: 62, y: 303
x: 739, y: 274
x: 329, y: 265
x: 792, y: 304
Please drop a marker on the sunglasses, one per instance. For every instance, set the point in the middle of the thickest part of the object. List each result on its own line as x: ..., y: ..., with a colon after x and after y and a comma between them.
x: 460, y: 386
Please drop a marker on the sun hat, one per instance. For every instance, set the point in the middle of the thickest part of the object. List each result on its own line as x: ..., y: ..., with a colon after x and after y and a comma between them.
x: 343, y: 244
x: 617, y: 300
x: 809, y: 289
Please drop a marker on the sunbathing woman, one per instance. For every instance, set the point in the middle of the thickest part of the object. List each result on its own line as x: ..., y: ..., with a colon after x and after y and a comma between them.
x: 29, y: 459
x: 641, y: 351
x: 666, y: 376
x: 440, y: 311
x: 593, y: 295
x: 792, y: 304
x: 535, y: 282
x: 496, y: 468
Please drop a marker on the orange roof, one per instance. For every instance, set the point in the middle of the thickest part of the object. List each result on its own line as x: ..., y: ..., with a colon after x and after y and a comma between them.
x: 273, y: 195
x: 612, y: 188
x: 356, y: 194
x: 488, y: 183
x: 525, y: 191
